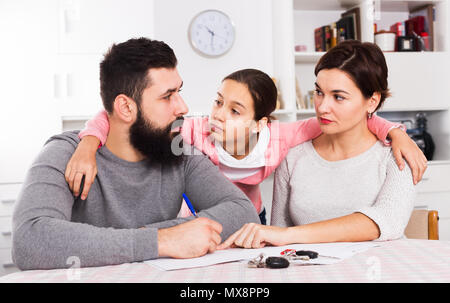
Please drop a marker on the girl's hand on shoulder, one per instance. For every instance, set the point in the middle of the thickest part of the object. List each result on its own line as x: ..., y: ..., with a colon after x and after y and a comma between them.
x: 82, y: 163
x: 253, y: 235
x: 404, y: 147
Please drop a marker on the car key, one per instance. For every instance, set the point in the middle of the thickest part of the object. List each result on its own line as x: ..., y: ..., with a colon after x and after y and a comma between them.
x: 270, y: 262
x: 277, y: 262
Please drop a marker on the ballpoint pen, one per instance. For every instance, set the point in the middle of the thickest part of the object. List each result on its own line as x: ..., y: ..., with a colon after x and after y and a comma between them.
x: 191, y: 208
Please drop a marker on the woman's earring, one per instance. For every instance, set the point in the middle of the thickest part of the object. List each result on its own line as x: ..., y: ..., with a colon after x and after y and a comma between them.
x: 369, y: 115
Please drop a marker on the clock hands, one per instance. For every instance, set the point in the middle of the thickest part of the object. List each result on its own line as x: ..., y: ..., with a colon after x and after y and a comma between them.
x: 213, y: 33
x: 212, y: 36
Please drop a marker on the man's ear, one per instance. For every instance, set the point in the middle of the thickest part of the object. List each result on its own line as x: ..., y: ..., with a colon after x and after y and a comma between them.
x: 125, y: 108
x: 374, y: 101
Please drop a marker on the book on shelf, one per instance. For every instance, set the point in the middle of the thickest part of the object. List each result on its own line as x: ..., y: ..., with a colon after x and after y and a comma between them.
x: 347, y: 27
x: 354, y: 19
x: 322, y: 38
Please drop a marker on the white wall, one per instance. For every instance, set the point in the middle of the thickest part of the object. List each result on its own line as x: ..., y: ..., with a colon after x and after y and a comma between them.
x: 202, y: 76
x: 49, y: 56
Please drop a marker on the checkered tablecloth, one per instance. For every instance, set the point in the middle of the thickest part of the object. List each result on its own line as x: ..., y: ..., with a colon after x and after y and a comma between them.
x: 393, y: 261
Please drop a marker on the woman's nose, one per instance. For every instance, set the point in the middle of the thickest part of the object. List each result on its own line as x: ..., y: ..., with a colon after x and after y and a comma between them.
x: 323, y: 106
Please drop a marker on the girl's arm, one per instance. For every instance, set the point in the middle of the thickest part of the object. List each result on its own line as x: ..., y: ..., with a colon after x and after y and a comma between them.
x: 402, y: 146
x: 83, y: 162
x: 97, y: 127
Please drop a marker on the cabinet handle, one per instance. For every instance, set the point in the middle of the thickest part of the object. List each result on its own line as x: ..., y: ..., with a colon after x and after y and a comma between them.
x: 70, y: 85
x: 6, y: 233
x: 9, y: 265
x: 8, y: 201
x: 425, y: 179
x: 57, y: 86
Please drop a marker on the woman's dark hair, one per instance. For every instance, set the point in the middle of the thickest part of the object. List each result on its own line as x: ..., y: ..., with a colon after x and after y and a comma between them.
x: 124, y: 69
x: 363, y: 62
x: 262, y: 89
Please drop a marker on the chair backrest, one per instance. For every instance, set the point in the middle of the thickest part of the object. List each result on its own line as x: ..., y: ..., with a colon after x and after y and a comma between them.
x: 423, y: 224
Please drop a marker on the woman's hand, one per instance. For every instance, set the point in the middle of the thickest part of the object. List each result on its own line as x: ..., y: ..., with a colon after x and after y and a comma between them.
x: 253, y: 235
x: 82, y: 163
x: 404, y: 147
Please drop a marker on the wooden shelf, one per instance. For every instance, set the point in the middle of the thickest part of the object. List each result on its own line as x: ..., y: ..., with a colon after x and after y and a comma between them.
x: 325, y: 4
x: 307, y: 57
x: 308, y: 111
x: 283, y: 112
x: 413, y: 109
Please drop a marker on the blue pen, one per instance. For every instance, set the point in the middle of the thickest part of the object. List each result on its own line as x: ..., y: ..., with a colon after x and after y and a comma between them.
x: 191, y: 208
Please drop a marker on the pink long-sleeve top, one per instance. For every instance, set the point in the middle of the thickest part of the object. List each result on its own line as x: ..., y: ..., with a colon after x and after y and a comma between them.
x: 283, y: 136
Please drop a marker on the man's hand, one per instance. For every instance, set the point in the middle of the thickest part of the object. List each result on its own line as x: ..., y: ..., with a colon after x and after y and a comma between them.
x: 189, y: 240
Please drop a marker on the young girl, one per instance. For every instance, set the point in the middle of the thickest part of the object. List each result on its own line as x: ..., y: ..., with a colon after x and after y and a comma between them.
x: 354, y: 190
x: 240, y: 137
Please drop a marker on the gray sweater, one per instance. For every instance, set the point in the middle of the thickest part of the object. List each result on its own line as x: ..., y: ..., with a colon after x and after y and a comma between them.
x: 308, y: 188
x: 50, y: 225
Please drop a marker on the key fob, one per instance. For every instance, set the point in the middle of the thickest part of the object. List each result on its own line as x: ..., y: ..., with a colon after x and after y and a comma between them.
x: 311, y: 254
x: 277, y: 262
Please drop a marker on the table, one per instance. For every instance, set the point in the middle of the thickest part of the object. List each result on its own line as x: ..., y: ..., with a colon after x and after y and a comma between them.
x: 402, y: 260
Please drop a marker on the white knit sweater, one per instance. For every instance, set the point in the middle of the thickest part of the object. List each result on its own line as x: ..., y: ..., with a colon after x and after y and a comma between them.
x: 309, y: 189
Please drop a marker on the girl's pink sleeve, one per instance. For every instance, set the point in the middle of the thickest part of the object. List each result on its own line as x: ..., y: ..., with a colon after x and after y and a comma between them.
x: 195, y: 132
x: 97, y: 126
x: 381, y: 128
x: 187, y: 130
x: 301, y: 131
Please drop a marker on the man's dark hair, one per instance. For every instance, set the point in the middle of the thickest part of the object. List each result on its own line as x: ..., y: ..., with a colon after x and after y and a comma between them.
x: 124, y: 69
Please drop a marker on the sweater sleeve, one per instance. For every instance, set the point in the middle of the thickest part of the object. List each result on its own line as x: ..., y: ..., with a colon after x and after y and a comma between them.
x: 394, y: 204
x: 381, y: 128
x: 44, y: 236
x: 215, y: 197
x: 97, y: 127
x: 300, y: 131
x: 280, y: 203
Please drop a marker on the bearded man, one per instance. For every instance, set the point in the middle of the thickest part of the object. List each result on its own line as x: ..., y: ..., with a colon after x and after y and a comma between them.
x: 131, y: 212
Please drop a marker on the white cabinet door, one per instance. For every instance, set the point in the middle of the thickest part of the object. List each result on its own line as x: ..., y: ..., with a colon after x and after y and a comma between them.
x: 77, y: 84
x: 87, y: 26
x: 418, y: 81
x: 29, y: 112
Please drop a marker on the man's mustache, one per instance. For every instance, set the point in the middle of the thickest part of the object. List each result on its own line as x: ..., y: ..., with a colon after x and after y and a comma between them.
x: 177, y: 124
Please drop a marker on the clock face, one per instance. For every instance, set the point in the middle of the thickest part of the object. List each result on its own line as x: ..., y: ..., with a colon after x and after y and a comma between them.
x: 211, y: 33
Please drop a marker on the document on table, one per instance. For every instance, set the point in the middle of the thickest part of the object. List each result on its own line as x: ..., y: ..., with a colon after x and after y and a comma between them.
x: 329, y: 253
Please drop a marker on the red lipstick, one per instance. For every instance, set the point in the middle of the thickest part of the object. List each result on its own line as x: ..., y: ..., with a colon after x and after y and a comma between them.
x: 325, y: 121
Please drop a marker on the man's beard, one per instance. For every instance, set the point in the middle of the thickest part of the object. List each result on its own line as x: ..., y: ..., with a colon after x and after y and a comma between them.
x: 155, y: 143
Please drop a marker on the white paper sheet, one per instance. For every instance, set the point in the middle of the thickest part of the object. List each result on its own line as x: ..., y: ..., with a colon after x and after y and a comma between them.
x: 329, y: 253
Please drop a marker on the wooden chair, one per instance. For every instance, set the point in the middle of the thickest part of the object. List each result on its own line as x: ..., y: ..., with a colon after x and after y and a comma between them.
x: 423, y: 224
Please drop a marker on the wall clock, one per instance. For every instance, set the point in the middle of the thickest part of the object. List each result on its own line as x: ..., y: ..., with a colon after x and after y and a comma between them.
x: 211, y: 33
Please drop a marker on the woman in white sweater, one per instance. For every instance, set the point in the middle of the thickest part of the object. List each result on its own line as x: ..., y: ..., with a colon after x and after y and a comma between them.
x: 344, y: 185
